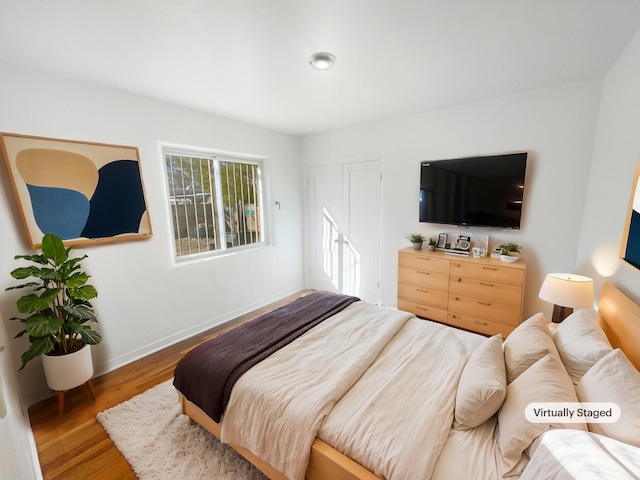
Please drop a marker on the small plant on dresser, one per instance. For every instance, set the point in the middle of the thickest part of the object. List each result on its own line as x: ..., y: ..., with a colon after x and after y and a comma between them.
x: 416, y: 239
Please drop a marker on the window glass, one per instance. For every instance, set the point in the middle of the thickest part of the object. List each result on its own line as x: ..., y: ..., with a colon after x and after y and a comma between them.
x: 216, y: 202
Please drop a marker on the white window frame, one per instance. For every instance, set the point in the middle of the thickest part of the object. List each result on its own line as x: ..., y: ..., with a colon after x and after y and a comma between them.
x: 217, y: 157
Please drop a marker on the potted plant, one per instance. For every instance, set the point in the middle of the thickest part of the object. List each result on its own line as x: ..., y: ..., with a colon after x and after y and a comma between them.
x: 417, y: 240
x: 509, y: 251
x: 432, y: 244
x: 58, y: 310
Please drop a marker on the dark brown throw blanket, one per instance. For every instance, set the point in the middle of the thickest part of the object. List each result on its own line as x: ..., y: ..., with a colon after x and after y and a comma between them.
x: 206, y: 374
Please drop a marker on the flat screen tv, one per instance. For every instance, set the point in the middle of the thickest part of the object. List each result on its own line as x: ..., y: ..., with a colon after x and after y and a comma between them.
x: 482, y: 191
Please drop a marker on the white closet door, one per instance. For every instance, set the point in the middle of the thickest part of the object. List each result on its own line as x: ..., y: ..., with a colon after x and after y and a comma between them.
x: 361, y: 202
x: 344, y: 202
x: 325, y: 223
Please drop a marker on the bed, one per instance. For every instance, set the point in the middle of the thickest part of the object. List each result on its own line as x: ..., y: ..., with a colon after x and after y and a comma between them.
x: 357, y: 391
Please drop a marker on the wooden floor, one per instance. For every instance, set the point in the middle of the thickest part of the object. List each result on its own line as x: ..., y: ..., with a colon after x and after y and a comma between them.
x: 74, y: 445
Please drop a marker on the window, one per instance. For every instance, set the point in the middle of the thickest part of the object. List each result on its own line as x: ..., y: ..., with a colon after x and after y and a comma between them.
x: 215, y: 201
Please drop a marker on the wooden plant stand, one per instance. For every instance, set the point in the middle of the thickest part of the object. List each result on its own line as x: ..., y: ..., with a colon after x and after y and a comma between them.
x: 61, y: 396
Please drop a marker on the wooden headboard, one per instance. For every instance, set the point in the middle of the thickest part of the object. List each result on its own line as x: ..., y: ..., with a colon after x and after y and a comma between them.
x: 619, y: 317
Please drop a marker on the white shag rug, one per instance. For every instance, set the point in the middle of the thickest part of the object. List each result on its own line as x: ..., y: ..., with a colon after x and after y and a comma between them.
x: 158, y: 442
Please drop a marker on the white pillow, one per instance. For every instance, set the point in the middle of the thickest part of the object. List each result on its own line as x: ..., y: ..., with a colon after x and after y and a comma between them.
x: 572, y: 454
x: 483, y: 385
x: 614, y: 379
x: 580, y: 342
x: 545, y: 381
x: 528, y: 343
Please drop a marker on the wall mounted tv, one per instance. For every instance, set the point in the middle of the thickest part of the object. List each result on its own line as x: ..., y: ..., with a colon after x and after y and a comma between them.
x: 482, y: 191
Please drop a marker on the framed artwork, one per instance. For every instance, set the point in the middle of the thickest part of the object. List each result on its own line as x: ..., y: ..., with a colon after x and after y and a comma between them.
x: 630, y: 249
x: 83, y: 192
x: 442, y: 240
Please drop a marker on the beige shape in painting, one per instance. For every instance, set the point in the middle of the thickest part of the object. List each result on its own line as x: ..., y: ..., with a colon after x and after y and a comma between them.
x: 46, y: 167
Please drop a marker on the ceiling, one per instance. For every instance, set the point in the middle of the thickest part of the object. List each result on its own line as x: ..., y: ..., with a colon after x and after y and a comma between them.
x: 247, y: 59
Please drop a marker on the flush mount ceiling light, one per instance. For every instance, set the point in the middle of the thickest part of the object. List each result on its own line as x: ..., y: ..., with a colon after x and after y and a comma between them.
x: 322, y: 60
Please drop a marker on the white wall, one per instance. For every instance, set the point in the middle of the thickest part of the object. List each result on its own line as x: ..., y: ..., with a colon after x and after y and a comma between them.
x: 555, y: 125
x: 18, y: 458
x: 615, y: 156
x: 146, y: 301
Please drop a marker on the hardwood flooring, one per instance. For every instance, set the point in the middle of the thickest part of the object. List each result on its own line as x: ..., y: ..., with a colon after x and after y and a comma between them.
x: 74, y: 445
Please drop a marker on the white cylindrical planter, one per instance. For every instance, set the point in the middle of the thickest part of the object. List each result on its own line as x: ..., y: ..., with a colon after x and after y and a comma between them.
x: 64, y: 372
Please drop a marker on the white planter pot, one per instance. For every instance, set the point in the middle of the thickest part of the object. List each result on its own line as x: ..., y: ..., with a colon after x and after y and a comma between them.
x: 64, y: 372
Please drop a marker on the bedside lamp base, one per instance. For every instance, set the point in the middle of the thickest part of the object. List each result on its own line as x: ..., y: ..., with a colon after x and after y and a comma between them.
x: 560, y: 313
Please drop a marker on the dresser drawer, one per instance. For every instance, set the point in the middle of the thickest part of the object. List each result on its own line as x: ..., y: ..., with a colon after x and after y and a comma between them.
x: 424, y: 296
x: 482, y: 295
x: 479, y: 325
x: 424, y: 262
x: 485, y: 310
x: 489, y: 272
x: 433, y: 313
x: 486, y: 290
x: 423, y: 278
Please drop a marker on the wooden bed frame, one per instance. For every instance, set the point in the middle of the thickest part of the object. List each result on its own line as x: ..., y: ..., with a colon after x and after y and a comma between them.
x: 618, y: 316
x: 325, y: 462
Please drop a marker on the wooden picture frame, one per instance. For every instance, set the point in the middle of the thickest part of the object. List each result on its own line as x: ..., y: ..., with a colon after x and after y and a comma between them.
x: 86, y: 193
x: 630, y: 247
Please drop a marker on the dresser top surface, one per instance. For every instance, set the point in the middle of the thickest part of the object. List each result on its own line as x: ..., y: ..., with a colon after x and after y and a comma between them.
x: 520, y: 263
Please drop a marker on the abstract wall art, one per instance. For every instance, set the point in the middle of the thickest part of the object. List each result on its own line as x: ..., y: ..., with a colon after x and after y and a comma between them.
x: 83, y: 192
x: 630, y: 250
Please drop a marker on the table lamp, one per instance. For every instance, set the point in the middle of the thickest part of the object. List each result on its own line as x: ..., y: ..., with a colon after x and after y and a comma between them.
x: 566, y: 291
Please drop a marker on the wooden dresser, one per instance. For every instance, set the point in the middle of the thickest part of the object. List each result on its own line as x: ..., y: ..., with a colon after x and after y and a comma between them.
x: 483, y: 295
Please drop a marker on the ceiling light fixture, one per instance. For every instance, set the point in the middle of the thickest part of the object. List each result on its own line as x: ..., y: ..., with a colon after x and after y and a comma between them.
x: 322, y: 60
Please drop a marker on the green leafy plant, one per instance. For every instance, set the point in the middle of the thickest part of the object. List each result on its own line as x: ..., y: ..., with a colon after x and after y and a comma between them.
x: 58, y: 304
x: 415, y: 238
x: 432, y: 241
x: 506, y: 248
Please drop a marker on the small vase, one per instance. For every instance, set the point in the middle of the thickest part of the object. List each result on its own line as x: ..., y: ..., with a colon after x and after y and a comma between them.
x: 417, y: 245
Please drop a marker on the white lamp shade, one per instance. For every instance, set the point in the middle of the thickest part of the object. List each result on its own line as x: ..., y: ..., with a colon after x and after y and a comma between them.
x: 567, y: 290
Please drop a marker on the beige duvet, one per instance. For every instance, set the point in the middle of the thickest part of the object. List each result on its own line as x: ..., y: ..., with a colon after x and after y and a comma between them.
x: 377, y: 384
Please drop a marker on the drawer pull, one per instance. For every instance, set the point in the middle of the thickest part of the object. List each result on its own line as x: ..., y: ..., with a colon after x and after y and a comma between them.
x: 480, y: 323
x: 423, y: 273
x: 490, y: 268
x: 422, y: 308
x: 422, y: 290
x: 486, y: 284
x: 484, y: 303
x: 424, y: 258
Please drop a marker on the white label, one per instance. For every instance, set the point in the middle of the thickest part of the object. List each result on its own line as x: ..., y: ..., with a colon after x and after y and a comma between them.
x: 572, y: 412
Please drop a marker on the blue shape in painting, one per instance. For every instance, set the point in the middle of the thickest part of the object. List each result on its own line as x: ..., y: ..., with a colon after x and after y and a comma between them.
x: 632, y: 254
x: 118, y: 203
x: 60, y: 211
